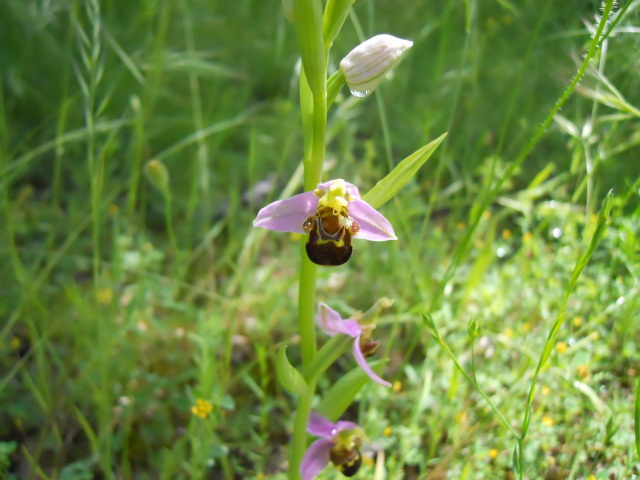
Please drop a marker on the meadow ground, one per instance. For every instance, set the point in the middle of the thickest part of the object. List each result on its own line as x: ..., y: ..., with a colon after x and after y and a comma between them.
x: 139, y: 326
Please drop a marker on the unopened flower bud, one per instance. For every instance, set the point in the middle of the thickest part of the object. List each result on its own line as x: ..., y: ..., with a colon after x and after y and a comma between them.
x: 366, y: 65
x: 157, y: 174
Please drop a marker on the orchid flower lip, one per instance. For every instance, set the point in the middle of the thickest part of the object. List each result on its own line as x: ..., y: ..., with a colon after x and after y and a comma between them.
x: 330, y: 322
x: 320, y: 452
x: 289, y: 215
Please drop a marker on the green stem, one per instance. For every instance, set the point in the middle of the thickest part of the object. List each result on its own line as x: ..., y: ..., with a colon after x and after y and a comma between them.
x: 299, y: 443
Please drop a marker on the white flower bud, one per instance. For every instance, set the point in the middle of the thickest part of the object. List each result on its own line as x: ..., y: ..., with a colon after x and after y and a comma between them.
x: 366, y: 65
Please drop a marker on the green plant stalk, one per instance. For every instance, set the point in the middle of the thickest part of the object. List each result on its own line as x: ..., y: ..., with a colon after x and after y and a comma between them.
x: 299, y: 442
x: 307, y: 289
x: 472, y: 381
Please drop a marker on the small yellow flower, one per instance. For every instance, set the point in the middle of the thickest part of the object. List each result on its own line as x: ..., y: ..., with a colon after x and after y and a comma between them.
x: 15, y: 343
x: 528, y: 236
x: 584, y: 371
x: 104, y: 296
x: 595, y: 335
x: 548, y: 421
x: 562, y: 347
x: 202, y: 408
x: 388, y: 432
x: 509, y: 332
x: 486, y: 215
x: 493, y: 453
x: 114, y: 209
x: 592, y: 477
x: 507, y: 234
x: 546, y: 390
x: 577, y: 321
x: 397, y: 386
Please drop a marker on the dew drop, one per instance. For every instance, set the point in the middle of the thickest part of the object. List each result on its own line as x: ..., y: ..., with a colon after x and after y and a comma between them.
x: 360, y: 93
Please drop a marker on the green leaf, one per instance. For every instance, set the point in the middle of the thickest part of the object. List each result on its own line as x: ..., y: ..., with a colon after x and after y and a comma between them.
x: 334, y: 16
x: 288, y: 376
x: 328, y: 354
x: 342, y: 393
x: 307, y: 17
x: 389, y: 186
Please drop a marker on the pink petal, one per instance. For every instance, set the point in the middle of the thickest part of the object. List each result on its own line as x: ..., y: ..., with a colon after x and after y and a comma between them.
x: 357, y: 352
x: 331, y: 323
x: 287, y: 215
x: 315, y: 459
x: 321, y: 426
x: 373, y: 225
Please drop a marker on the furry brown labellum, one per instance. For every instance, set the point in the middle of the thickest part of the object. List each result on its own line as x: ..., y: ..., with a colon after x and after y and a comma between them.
x: 347, y: 461
x: 330, y: 234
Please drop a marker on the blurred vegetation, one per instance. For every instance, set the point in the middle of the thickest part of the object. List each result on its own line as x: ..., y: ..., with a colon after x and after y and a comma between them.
x: 113, y: 327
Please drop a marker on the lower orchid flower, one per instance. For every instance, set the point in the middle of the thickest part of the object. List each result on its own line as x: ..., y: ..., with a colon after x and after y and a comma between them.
x: 332, y: 324
x: 339, y: 443
x: 332, y: 215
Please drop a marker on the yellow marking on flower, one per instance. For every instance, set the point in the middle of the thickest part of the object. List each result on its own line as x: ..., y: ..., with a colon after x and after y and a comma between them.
x: 548, y: 421
x: 397, y: 386
x: 104, y: 296
x: 562, y: 347
x: 202, y: 408
x: 493, y: 453
x: 388, y: 432
x: 545, y: 391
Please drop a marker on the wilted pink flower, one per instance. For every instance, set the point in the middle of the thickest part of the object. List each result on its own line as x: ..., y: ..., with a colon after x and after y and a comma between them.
x: 332, y: 324
x: 339, y: 443
x: 331, y: 215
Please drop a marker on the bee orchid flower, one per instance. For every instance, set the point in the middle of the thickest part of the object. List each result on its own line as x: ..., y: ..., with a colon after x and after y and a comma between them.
x: 332, y: 324
x: 332, y: 215
x: 339, y: 443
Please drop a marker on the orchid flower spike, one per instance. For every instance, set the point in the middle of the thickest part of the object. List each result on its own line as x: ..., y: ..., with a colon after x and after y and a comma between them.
x: 332, y: 324
x: 339, y: 443
x: 332, y: 215
x: 367, y: 64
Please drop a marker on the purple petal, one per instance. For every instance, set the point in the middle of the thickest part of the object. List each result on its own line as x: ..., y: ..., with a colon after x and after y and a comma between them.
x: 315, y: 459
x: 331, y: 323
x: 321, y: 426
x: 287, y: 215
x: 357, y: 352
x: 373, y: 225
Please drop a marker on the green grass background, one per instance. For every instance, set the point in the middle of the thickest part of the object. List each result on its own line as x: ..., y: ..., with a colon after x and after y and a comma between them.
x: 112, y: 328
